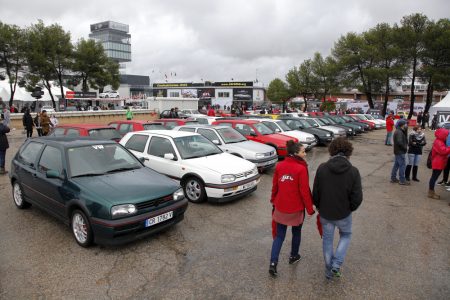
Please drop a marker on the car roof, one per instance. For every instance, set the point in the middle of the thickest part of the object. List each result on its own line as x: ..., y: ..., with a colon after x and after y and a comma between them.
x: 168, y: 120
x: 242, y: 121
x: 135, y: 122
x: 85, y: 126
x: 168, y: 133
x: 70, y: 142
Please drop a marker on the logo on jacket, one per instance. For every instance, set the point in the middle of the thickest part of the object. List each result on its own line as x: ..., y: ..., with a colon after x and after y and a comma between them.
x: 286, y: 177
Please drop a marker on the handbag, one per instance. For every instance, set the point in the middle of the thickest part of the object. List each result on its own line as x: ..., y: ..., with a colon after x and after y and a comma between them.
x: 429, y: 162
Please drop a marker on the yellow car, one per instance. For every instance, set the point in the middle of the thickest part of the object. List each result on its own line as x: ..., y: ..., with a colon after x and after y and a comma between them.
x: 273, y: 116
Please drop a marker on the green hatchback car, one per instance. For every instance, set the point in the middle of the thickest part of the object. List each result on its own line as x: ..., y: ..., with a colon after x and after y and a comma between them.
x: 99, y: 188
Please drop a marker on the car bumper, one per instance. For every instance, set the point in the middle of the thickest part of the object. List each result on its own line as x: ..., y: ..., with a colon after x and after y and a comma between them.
x: 265, y: 164
x: 227, y: 193
x: 116, y: 232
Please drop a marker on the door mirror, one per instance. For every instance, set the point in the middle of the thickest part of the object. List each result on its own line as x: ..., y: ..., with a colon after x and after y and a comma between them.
x: 52, y: 174
x: 143, y: 159
x: 277, y: 130
x: 169, y: 156
x: 253, y: 134
x: 216, y: 142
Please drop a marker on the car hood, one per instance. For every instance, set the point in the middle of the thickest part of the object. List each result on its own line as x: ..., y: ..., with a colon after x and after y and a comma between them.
x: 132, y: 187
x: 319, y: 132
x: 223, y: 163
x: 278, y: 139
x: 250, y: 146
x: 301, y: 136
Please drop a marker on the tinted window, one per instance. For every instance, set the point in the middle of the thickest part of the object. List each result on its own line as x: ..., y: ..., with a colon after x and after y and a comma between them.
x: 160, y: 146
x: 202, y: 120
x: 187, y: 129
x: 72, y: 132
x: 244, y: 129
x: 105, y: 133
x: 171, y: 125
x: 125, y: 128
x: 50, y: 160
x: 209, y: 134
x: 154, y: 127
x: 137, y: 142
x: 29, y: 153
x: 115, y: 125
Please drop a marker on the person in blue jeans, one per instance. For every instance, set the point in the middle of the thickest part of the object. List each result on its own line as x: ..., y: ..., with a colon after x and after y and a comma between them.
x: 400, y: 148
x: 337, y: 192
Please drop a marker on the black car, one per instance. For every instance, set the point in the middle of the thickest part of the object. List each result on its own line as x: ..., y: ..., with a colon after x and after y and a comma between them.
x: 165, y: 114
x: 323, y: 136
x: 351, y: 120
x: 97, y: 187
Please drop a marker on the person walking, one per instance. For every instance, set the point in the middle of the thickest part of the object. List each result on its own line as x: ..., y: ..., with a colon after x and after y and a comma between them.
x: 439, y: 156
x: 419, y: 118
x: 6, y: 117
x: 45, y: 122
x: 4, y: 145
x: 54, y: 121
x: 37, y: 123
x: 389, y: 129
x: 291, y: 195
x: 416, y: 141
x: 337, y: 193
x: 129, y: 113
x: 27, y: 121
x: 400, y: 148
x: 434, y: 122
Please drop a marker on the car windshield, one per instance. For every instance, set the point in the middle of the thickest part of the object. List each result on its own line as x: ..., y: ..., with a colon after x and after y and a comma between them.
x: 311, y: 122
x: 230, y: 135
x: 272, y: 126
x: 193, y: 112
x: 322, y: 122
x: 195, y: 146
x: 337, y: 120
x: 105, y: 134
x: 263, y: 129
x: 361, y: 117
x: 284, y: 126
x: 369, y: 117
x: 305, y: 124
x: 154, y: 127
x: 95, y: 160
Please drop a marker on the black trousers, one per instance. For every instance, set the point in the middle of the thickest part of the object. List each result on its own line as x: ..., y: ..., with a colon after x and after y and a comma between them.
x: 29, y: 132
x: 446, y: 170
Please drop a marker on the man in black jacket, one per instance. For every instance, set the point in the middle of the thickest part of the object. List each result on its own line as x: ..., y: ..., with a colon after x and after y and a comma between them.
x: 337, y: 192
x: 400, y: 147
x: 3, y: 146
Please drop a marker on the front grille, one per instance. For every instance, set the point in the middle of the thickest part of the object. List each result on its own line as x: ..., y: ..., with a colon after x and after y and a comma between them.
x: 154, y: 202
x: 245, y: 174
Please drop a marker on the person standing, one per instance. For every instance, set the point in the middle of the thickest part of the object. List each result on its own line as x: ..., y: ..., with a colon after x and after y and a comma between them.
x: 444, y: 180
x: 389, y: 129
x: 416, y: 141
x: 53, y: 121
x: 45, y: 122
x: 37, y: 123
x: 337, y: 192
x: 3, y: 145
x: 129, y: 113
x: 419, y: 118
x: 425, y: 120
x: 439, y: 156
x: 400, y: 148
x: 27, y: 121
x: 290, y: 196
x: 434, y: 122
x: 6, y: 117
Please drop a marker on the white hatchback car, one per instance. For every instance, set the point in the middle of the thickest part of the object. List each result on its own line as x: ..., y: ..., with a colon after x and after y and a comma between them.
x: 109, y: 94
x: 204, y: 171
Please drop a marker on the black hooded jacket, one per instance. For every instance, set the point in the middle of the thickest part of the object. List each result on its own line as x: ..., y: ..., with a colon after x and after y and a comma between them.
x: 337, y: 188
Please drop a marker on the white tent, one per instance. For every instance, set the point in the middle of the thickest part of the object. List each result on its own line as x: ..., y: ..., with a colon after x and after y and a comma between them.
x: 443, y: 105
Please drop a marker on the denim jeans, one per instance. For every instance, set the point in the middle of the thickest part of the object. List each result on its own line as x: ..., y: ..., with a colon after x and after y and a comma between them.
x: 399, y: 165
x: 388, y: 138
x: 2, y: 158
x: 279, y: 239
x: 414, y: 159
x: 335, y: 259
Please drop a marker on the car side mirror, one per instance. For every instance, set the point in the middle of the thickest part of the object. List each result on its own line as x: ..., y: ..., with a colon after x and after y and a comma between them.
x: 253, y: 134
x: 277, y: 130
x: 143, y: 159
x: 169, y: 156
x: 216, y: 142
x: 53, y: 174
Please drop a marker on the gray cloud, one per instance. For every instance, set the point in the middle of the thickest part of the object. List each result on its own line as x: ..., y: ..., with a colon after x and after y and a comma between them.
x: 219, y: 40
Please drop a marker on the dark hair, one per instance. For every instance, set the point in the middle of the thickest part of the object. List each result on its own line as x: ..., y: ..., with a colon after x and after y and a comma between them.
x: 340, y: 145
x: 293, y: 147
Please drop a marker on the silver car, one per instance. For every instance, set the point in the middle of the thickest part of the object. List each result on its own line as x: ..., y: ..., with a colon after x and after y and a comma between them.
x: 233, y: 142
x: 337, y: 131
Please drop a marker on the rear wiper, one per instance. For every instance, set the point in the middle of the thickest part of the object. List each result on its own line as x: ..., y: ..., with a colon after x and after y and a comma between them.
x: 88, y: 174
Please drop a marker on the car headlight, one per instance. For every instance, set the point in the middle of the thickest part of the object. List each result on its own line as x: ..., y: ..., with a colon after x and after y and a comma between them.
x: 310, y: 139
x: 178, y: 195
x: 349, y: 130
x: 123, y: 210
x: 228, y: 178
x: 259, y: 155
x: 328, y: 134
x: 255, y: 170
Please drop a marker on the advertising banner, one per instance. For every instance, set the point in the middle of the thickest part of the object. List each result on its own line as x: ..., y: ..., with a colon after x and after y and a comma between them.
x: 232, y: 83
x: 206, y: 93
x: 159, y: 92
x: 443, y: 117
x: 242, y: 94
x: 189, y: 93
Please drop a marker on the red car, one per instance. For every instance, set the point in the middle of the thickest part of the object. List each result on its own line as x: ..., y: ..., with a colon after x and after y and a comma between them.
x: 135, y: 125
x: 103, y: 132
x: 358, y: 119
x: 258, y: 132
x: 171, y: 123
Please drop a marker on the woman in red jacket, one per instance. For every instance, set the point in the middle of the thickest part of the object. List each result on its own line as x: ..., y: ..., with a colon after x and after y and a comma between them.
x: 389, y: 129
x: 439, y: 155
x: 290, y: 196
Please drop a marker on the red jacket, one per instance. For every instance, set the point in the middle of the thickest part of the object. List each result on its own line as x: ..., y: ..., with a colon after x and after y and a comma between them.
x: 290, y: 186
x: 389, y: 124
x: 211, y: 112
x: 440, y: 152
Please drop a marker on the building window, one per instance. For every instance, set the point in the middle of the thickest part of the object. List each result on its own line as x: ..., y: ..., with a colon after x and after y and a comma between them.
x: 224, y: 95
x: 174, y: 94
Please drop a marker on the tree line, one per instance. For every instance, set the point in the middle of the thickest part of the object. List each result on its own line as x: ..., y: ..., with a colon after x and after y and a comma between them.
x: 417, y: 47
x: 40, y: 54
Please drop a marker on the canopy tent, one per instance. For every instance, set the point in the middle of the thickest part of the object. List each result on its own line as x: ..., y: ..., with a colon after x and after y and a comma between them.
x: 443, y: 105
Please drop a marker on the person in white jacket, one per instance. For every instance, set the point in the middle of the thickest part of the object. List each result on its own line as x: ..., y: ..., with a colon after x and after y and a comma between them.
x: 54, y: 121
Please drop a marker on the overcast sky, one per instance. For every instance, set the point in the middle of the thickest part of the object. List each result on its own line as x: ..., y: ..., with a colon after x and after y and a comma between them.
x: 219, y: 40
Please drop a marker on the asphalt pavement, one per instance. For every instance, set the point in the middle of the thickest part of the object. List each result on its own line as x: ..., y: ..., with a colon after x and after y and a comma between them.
x: 399, y: 249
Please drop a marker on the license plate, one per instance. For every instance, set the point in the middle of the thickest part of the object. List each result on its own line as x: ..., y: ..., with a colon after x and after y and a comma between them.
x: 159, y: 219
x: 269, y: 162
x: 248, y: 185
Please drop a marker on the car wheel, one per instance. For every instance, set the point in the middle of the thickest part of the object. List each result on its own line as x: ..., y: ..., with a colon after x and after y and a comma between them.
x: 81, y: 228
x: 19, y: 197
x: 194, y: 190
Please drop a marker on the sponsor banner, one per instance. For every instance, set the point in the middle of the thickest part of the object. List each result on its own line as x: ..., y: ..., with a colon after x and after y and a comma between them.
x: 443, y: 116
x: 233, y: 83
x: 77, y: 95
x: 160, y: 92
x: 206, y: 93
x: 189, y: 93
x: 242, y: 94
x: 176, y: 85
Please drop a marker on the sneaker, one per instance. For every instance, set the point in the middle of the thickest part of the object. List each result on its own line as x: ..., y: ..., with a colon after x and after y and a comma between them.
x: 336, y: 273
x: 404, y: 183
x: 294, y: 259
x: 441, y: 182
x: 273, y: 269
x: 395, y: 180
